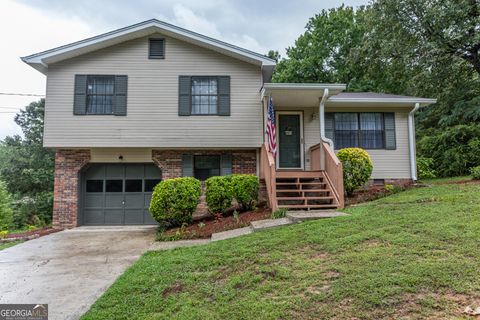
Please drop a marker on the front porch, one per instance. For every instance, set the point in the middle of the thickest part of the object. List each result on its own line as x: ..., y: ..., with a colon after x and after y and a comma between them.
x: 305, y: 174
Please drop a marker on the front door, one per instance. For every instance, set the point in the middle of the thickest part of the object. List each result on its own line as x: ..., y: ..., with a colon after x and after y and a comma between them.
x: 290, y: 136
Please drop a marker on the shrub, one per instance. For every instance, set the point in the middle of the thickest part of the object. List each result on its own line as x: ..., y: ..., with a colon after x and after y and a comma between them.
x: 425, y: 168
x: 245, y: 190
x: 33, y: 210
x: 218, y: 193
x: 6, y: 213
x: 454, y: 150
x: 357, y: 168
x: 175, y: 200
x: 279, y: 213
x: 475, y: 172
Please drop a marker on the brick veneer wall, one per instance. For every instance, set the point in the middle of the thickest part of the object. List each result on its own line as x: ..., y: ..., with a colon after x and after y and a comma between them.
x: 68, y: 164
x: 170, y: 161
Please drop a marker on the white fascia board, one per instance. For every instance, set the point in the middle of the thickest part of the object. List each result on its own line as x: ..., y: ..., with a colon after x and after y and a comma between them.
x: 305, y: 86
x: 422, y: 101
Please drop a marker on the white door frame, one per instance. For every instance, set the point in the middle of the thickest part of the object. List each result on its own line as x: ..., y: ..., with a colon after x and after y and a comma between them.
x: 302, y: 140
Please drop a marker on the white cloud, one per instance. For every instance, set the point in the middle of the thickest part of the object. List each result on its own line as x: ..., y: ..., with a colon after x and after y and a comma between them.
x: 25, y: 31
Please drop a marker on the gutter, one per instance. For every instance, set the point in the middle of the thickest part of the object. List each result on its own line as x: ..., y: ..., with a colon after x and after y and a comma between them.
x: 411, y: 142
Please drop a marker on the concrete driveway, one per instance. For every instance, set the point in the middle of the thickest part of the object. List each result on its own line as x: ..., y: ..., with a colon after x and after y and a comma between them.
x: 70, y: 269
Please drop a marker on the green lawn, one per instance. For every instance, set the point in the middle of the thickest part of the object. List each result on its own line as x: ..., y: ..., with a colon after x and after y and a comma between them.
x: 413, y: 255
x: 6, y: 245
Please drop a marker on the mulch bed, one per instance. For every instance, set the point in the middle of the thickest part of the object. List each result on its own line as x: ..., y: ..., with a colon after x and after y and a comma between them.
x: 218, y: 224
x: 371, y: 193
x: 28, y: 235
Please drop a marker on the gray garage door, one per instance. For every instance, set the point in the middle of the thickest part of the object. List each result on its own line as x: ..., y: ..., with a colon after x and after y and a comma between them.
x: 118, y: 194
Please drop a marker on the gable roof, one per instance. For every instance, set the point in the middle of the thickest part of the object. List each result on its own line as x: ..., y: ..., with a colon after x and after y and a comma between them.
x: 41, y: 60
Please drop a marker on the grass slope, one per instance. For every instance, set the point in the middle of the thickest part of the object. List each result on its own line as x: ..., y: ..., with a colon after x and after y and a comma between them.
x: 411, y: 255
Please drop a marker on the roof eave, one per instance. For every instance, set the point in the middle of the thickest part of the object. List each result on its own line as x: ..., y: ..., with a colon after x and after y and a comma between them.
x: 142, y: 29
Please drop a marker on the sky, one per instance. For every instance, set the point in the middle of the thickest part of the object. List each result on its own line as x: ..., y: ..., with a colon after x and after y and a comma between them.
x: 31, y: 26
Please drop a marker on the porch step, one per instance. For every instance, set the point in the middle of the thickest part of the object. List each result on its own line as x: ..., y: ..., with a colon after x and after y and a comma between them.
x: 304, y: 198
x: 304, y: 190
x: 309, y: 206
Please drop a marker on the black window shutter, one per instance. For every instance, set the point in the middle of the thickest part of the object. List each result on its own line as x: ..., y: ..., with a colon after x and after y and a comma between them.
x: 184, y: 96
x: 187, y: 165
x: 121, y: 87
x: 156, y: 49
x: 80, y: 95
x: 329, y: 126
x: 223, y: 95
x: 390, y: 136
x: 226, y: 164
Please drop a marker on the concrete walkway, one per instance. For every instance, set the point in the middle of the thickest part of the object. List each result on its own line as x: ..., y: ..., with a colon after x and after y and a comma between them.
x: 70, y: 269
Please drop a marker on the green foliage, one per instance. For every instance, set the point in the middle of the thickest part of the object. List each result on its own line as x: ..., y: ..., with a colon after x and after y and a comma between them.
x: 475, y: 172
x: 279, y: 213
x: 245, y: 190
x: 454, y: 150
x: 175, y: 200
x: 27, y: 168
x: 425, y: 168
x: 33, y: 210
x: 357, y: 168
x: 6, y: 213
x: 219, y: 193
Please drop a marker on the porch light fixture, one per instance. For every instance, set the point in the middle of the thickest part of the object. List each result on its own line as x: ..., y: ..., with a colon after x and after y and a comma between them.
x: 314, y: 116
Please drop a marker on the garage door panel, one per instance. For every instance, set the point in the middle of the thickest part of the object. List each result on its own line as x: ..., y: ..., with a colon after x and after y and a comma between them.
x: 133, y: 216
x: 147, y: 217
x: 95, y: 172
x: 94, y: 217
x: 114, y: 171
x: 114, y: 200
x: 134, y: 171
x: 152, y: 171
x: 95, y: 200
x: 113, y: 216
x: 134, y: 201
x: 147, y: 198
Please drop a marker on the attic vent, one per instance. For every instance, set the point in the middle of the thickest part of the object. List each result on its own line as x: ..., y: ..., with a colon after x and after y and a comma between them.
x: 156, y: 49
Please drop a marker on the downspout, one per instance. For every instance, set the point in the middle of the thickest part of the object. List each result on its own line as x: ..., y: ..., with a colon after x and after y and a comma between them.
x: 323, y: 138
x: 411, y: 141
x: 322, y: 119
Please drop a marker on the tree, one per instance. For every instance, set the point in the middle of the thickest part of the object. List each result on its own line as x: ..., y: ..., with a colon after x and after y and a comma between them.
x: 28, y: 168
x: 322, y: 53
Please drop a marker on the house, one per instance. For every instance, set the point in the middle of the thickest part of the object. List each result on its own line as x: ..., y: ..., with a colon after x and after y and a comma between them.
x: 154, y: 101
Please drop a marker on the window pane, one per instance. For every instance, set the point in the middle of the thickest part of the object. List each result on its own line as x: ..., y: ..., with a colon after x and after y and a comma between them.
x: 372, y: 132
x: 206, y: 167
x: 150, y: 184
x: 346, y: 130
x: 94, y: 185
x: 204, y: 95
x: 114, y: 186
x: 100, y: 91
x: 133, y: 185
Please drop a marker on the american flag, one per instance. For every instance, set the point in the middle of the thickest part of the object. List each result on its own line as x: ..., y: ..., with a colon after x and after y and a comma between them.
x: 272, y: 137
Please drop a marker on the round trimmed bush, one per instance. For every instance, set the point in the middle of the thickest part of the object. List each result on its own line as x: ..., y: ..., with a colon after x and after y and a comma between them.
x: 175, y: 200
x: 245, y: 190
x: 357, y: 168
x: 218, y: 193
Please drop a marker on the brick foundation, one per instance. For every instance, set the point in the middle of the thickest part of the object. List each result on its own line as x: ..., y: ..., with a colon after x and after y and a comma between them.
x: 170, y: 161
x: 68, y: 164
x: 395, y: 182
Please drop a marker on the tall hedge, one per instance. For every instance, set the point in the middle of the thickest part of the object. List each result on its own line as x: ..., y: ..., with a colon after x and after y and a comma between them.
x: 245, y: 190
x: 175, y: 200
x: 357, y: 168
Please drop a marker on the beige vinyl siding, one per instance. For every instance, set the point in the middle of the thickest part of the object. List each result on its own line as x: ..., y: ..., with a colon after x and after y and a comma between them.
x: 388, y: 164
x: 112, y: 155
x: 152, y: 107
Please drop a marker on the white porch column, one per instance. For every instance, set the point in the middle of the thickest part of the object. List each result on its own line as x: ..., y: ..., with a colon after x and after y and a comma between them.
x: 321, y: 118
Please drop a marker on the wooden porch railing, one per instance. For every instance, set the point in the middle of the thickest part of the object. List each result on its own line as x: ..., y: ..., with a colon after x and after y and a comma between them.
x: 333, y: 169
x: 268, y: 173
